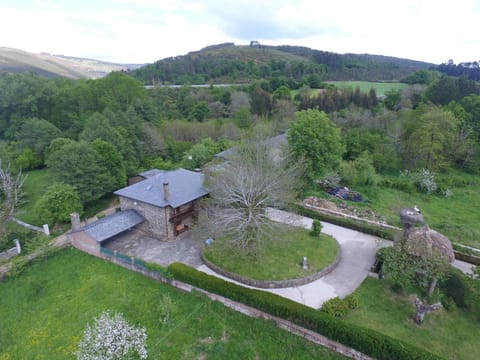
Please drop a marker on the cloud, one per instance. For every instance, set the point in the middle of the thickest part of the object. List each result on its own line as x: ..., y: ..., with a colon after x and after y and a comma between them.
x: 148, y: 30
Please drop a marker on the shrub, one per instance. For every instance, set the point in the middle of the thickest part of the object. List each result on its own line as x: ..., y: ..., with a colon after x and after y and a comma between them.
x: 157, y: 268
x: 335, y: 307
x: 448, y: 303
x: 455, y: 286
x: 352, y: 301
x: 464, y: 291
x: 365, y: 340
x: 398, y: 183
x: 111, y: 338
x: 316, y: 228
x: 339, y: 307
x: 423, y: 179
x: 58, y: 202
x: 359, y: 171
x: 329, y: 181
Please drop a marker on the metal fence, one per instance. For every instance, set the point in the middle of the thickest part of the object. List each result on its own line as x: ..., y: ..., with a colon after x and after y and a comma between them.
x: 134, y: 263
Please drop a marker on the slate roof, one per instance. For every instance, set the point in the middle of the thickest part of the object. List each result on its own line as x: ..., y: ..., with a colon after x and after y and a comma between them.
x: 184, y: 186
x: 113, y: 224
x: 150, y: 173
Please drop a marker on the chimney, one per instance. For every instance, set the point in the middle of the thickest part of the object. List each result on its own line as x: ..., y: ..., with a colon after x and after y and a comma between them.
x: 75, y: 220
x: 166, y: 191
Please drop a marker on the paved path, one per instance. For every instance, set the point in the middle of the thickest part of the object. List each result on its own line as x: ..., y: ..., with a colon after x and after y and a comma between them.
x: 463, y: 266
x: 358, y: 255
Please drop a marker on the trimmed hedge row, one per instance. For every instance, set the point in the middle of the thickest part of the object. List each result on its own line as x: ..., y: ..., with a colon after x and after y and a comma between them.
x: 366, y: 228
x: 362, y: 339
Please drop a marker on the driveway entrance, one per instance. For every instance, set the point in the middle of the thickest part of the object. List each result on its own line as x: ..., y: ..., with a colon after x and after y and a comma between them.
x: 138, y: 244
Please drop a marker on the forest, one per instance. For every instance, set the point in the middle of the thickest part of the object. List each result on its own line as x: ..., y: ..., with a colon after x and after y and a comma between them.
x: 89, y: 136
x: 291, y: 65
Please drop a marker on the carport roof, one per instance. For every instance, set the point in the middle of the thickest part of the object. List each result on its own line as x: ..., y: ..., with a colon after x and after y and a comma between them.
x: 113, y: 224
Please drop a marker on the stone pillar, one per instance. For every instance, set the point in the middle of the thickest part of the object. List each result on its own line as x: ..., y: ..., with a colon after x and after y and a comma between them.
x: 46, y: 229
x: 17, y: 244
x: 75, y: 220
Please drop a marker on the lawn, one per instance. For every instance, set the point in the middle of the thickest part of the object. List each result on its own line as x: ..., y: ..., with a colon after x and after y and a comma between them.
x: 281, y: 256
x: 36, y: 183
x: 457, y: 216
x: 380, y: 87
x: 451, y: 334
x: 45, y: 310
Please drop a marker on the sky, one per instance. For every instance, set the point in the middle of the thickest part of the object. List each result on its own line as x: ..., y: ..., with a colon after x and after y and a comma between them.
x: 144, y: 31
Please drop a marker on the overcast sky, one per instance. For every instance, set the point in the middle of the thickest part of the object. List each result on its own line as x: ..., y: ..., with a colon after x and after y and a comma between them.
x: 143, y: 31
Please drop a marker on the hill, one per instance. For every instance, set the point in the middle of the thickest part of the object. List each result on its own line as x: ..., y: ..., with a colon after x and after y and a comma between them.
x: 232, y: 63
x: 47, y: 65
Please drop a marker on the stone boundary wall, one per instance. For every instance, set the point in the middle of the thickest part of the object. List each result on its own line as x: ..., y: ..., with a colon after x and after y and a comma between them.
x: 337, y: 213
x: 471, y: 259
x: 7, y: 254
x: 275, y: 284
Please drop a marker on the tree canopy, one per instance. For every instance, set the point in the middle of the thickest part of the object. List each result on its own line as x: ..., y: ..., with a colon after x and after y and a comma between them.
x: 242, y: 190
x: 316, y: 140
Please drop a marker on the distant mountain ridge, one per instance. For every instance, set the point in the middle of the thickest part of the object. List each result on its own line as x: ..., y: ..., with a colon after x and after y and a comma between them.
x: 228, y: 62
x: 47, y: 65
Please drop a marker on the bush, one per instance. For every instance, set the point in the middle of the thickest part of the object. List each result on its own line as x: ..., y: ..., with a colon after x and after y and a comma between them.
x: 365, y: 340
x: 359, y: 171
x: 448, y: 303
x: 316, y: 228
x: 58, y: 202
x: 339, y: 307
x: 423, y: 179
x: 399, y: 183
x: 335, y: 307
x: 112, y: 337
x: 463, y: 290
x: 329, y: 181
x: 352, y: 301
x: 456, y: 286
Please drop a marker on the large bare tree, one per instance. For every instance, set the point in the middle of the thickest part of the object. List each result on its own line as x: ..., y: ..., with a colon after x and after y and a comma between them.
x: 255, y: 178
x: 10, y: 195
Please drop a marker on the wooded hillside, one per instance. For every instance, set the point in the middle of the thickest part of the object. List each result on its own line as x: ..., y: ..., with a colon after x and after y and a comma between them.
x: 229, y: 63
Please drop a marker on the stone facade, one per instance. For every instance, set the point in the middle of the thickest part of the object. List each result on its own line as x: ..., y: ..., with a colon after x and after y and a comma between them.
x: 157, y: 220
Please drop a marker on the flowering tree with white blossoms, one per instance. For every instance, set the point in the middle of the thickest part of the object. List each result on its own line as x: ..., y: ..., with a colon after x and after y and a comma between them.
x: 112, y: 338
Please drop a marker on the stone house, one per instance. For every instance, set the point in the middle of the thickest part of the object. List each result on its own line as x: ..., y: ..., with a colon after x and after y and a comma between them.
x: 160, y: 203
x: 167, y: 200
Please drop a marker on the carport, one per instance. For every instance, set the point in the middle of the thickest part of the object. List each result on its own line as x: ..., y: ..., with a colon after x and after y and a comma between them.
x: 90, y: 237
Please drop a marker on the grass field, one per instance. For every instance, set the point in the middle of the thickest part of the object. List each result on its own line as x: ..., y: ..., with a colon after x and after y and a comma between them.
x: 281, y: 257
x: 45, y: 310
x: 447, y: 333
x: 36, y: 183
x: 457, y: 216
x: 380, y: 87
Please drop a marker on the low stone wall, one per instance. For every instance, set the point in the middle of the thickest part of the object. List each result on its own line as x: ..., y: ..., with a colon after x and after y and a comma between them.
x: 9, y: 253
x: 275, y: 284
x: 471, y: 259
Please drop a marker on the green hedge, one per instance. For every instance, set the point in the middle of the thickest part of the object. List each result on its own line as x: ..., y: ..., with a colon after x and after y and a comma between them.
x: 362, y: 339
x: 366, y: 228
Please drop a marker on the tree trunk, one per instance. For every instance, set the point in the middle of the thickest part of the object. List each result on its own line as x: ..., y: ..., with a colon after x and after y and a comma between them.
x: 433, y: 285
